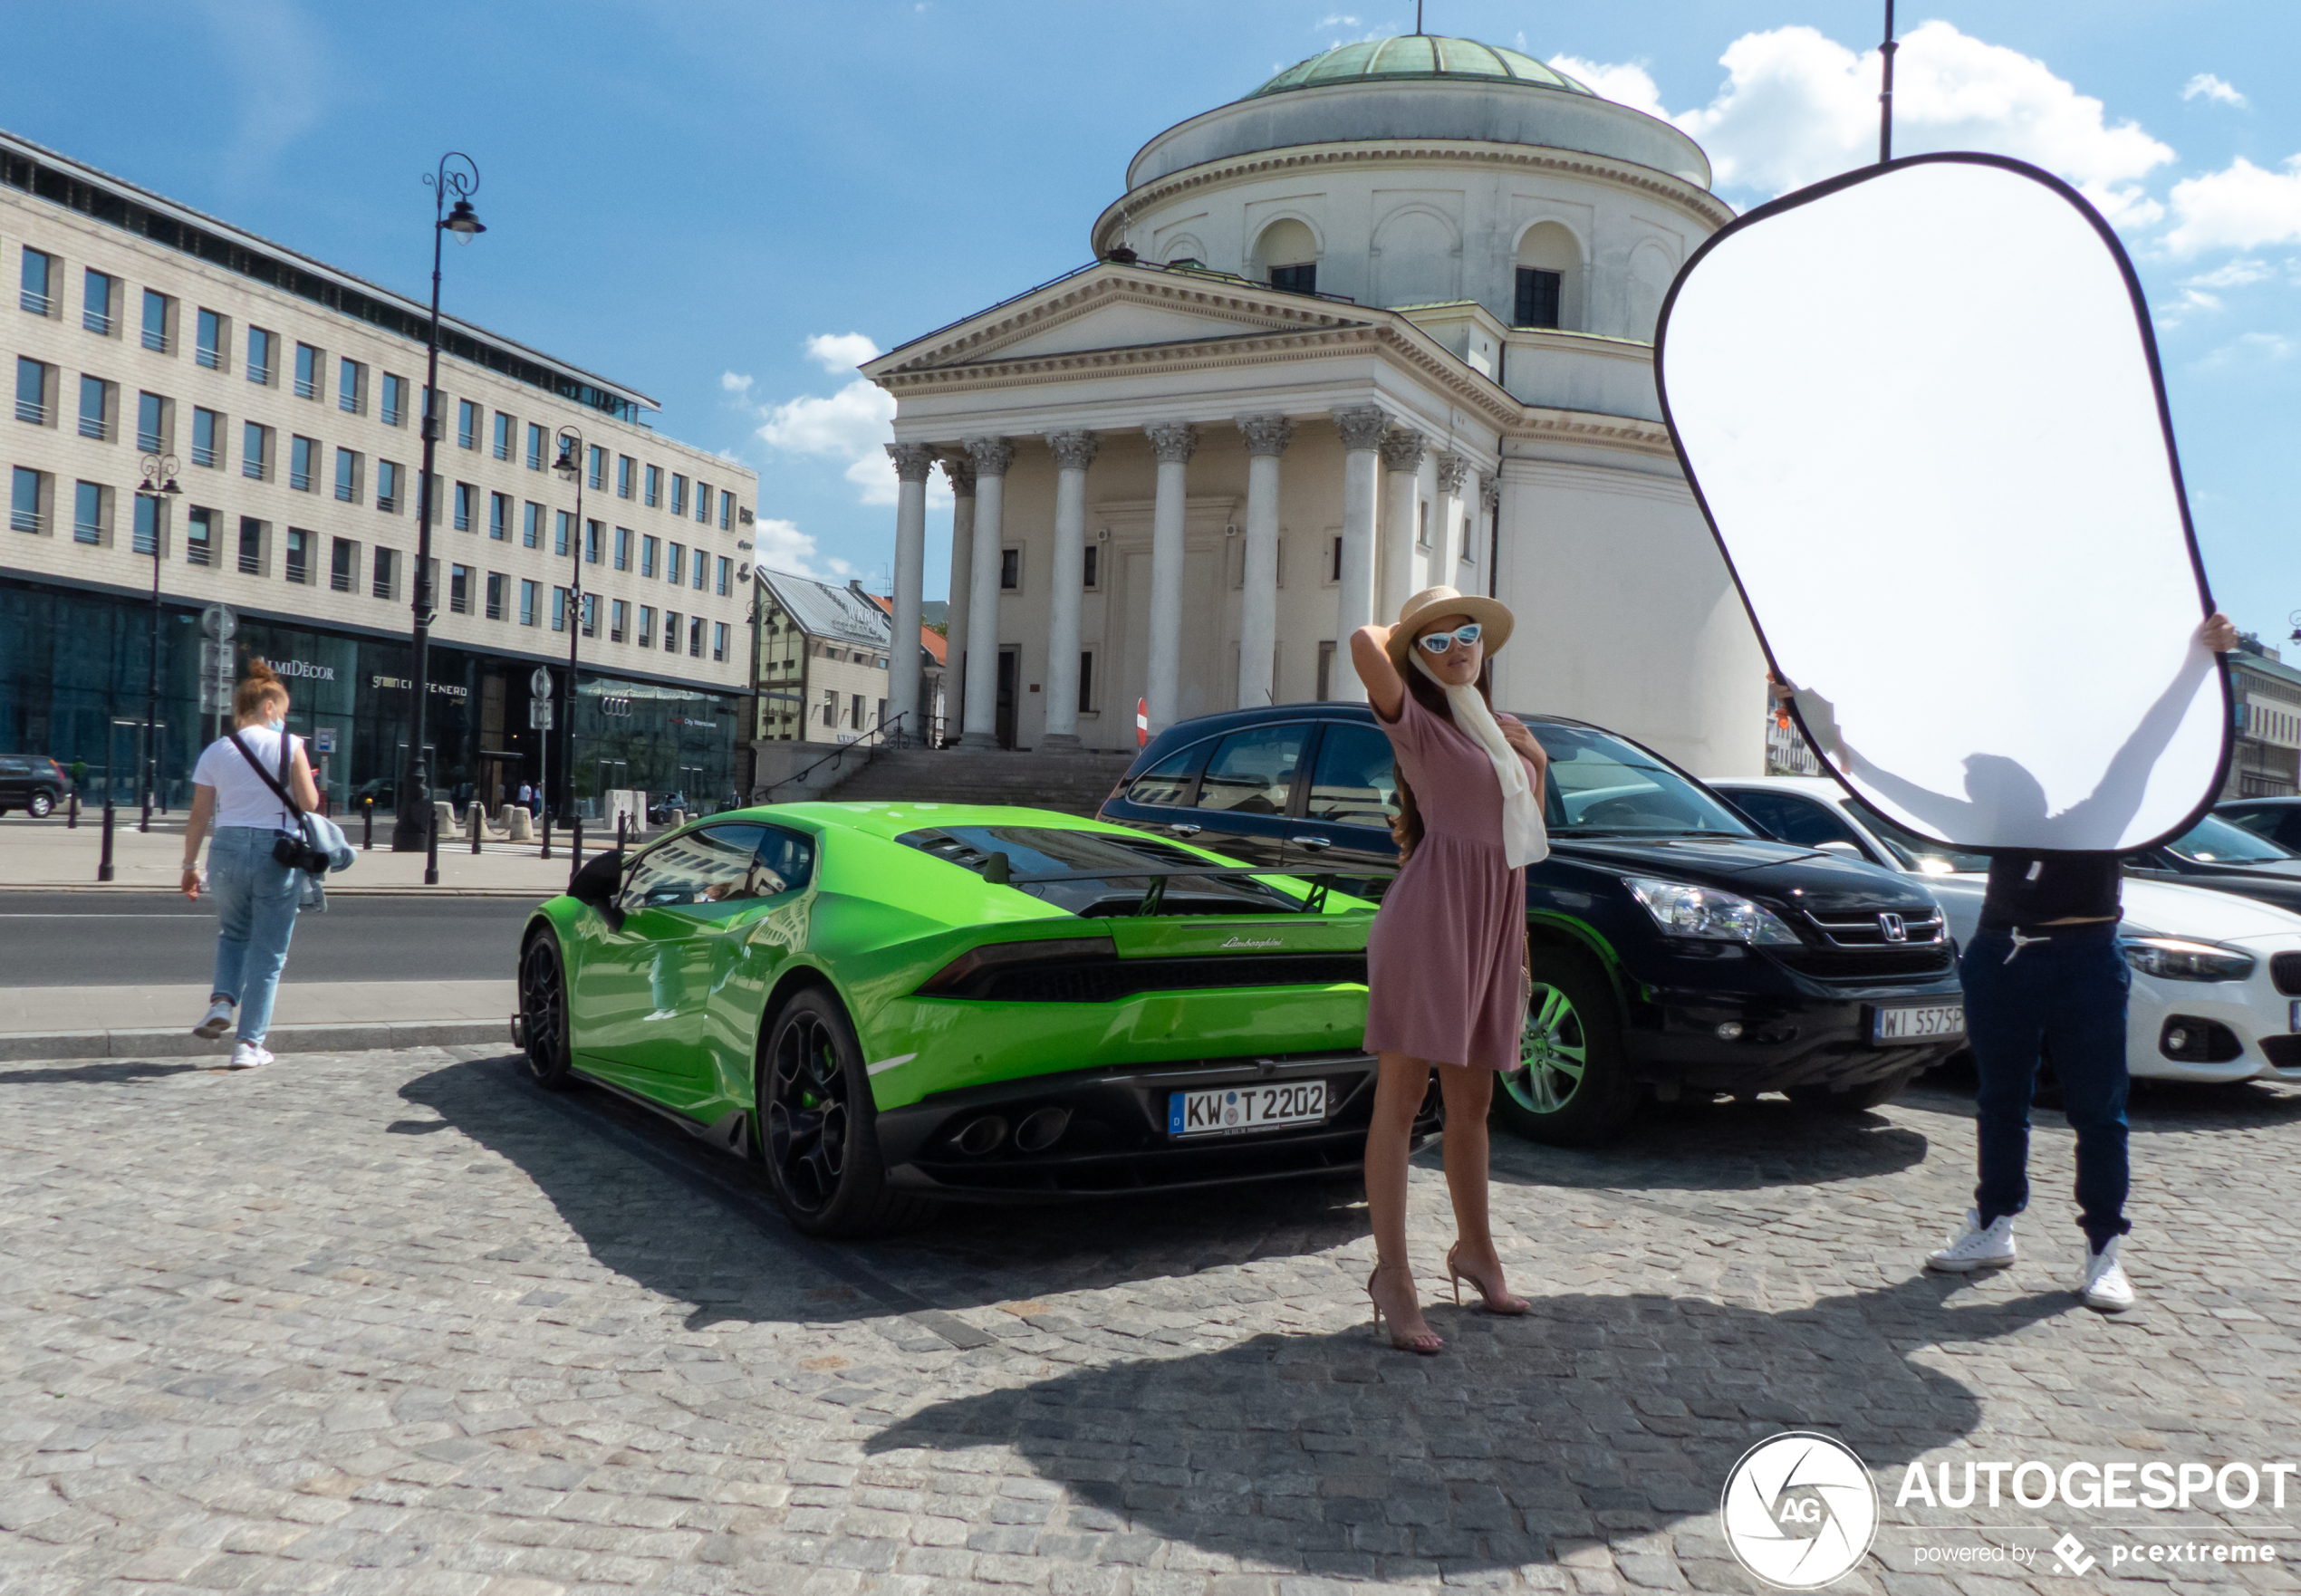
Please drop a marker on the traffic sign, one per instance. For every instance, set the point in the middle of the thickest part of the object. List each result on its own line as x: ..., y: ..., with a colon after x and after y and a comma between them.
x: 323, y: 739
x: 539, y: 714
x: 540, y: 683
x: 217, y: 622
x: 216, y: 681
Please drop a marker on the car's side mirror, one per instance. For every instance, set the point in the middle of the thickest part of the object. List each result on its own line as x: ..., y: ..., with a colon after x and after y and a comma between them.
x: 597, y: 884
x: 1844, y: 850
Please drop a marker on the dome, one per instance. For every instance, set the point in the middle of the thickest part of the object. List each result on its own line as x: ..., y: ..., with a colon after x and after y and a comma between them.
x: 1417, y: 55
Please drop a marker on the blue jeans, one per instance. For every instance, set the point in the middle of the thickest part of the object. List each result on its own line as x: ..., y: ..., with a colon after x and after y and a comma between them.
x: 2067, y: 994
x: 255, y: 898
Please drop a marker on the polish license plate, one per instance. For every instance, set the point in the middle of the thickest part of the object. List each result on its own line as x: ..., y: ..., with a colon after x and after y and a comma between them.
x: 1231, y: 1110
x: 1933, y: 1023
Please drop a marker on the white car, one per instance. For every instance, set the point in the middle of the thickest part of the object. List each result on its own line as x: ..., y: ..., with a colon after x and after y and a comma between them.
x: 2217, y: 978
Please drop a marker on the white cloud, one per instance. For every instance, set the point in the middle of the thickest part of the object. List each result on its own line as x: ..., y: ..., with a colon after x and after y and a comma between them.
x: 2250, y: 349
x: 2212, y: 87
x: 840, y: 352
x: 1797, y: 106
x: 2240, y: 207
x: 854, y: 424
x: 1336, y: 20
x: 2237, y: 273
x: 1625, y: 82
x: 729, y: 382
x: 780, y: 545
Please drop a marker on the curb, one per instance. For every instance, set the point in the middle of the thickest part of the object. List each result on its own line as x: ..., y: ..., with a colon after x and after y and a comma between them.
x: 527, y: 893
x: 20, y: 1047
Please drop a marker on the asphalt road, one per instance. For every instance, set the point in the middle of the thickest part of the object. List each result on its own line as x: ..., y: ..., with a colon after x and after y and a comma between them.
x: 154, y: 938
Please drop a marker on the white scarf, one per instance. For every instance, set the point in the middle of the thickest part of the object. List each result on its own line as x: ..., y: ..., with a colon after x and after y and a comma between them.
x: 1524, y: 841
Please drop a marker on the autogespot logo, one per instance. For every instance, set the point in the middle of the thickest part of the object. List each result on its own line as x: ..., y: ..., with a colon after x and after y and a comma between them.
x: 1799, y: 1509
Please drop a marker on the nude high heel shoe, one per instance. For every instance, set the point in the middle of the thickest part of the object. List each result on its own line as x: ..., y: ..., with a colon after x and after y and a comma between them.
x: 1504, y: 1304
x: 1429, y: 1344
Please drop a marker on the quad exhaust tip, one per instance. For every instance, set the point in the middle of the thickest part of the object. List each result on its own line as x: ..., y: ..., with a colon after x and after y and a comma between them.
x: 1042, y: 1131
x: 981, y: 1136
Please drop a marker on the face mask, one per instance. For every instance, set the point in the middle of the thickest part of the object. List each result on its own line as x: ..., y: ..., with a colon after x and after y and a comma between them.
x: 276, y: 724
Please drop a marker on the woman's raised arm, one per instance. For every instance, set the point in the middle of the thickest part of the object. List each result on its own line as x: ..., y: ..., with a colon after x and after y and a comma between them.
x: 1370, y: 654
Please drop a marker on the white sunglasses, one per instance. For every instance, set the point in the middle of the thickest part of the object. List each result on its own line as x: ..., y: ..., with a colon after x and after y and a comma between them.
x: 1439, y: 642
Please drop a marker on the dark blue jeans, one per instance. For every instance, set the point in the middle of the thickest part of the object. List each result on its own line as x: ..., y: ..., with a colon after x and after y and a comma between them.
x: 2067, y: 994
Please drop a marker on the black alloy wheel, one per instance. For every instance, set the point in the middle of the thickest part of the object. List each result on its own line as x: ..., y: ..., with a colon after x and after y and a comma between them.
x: 1572, y: 1087
x: 818, y: 1131
x: 40, y: 805
x: 542, y: 1013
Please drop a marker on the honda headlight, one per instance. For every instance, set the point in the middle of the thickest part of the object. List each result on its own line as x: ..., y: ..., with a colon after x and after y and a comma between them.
x: 2176, y: 958
x: 1704, y: 912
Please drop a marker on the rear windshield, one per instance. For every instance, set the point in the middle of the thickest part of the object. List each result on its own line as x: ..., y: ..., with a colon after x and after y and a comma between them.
x: 1119, y: 871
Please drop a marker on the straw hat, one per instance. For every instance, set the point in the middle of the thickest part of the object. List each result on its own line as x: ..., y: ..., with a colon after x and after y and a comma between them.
x: 1433, y: 603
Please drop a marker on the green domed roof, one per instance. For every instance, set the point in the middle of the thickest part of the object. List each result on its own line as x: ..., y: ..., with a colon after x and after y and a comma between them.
x: 1418, y: 56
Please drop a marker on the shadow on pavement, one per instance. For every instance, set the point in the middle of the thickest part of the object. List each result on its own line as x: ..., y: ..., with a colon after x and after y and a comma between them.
x: 2155, y: 1107
x: 106, y: 1070
x: 1594, y: 1417
x: 1722, y: 1147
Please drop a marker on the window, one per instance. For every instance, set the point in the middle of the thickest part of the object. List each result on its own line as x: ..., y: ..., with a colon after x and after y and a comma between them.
x: 347, y: 476
x: 529, y: 592
x: 251, y: 546
x: 499, y: 517
x: 650, y: 554
x: 1010, y: 570
x: 299, y: 554
x: 563, y: 526
x: 854, y: 710
x: 1326, y: 672
x: 625, y: 470
x: 654, y: 486
x: 594, y: 535
x: 1092, y: 577
x: 159, y: 323
x: 595, y: 474
x: 622, y: 548
x: 591, y: 615
x: 1087, y: 705
x: 1295, y: 279
x: 100, y: 302
x: 1537, y: 304
x: 392, y: 407
x: 28, y: 500
x: 727, y: 511
x: 506, y: 428
x: 387, y: 574
x: 467, y: 424
x: 35, y: 389
x: 98, y: 409
x: 150, y: 513
x: 534, y: 447
x: 41, y: 287
x: 352, y: 388
x: 719, y: 640
x: 388, y: 486
x: 676, y: 562
x: 701, y: 563
x: 679, y: 493
x: 727, y: 575
x: 309, y: 364
x: 695, y: 641
x: 1421, y: 524
x: 830, y: 708
x: 618, y: 621
x: 459, y: 589
x: 464, y: 492
x: 1334, y: 561
x: 214, y: 333
x: 260, y: 345
x: 207, y: 438
x: 199, y: 538
x: 530, y: 528
x: 343, y: 565
x: 304, y: 462
x: 1353, y: 784
x: 703, y: 503
x: 671, y: 631
x: 645, y: 638
x: 559, y: 609
x: 255, y: 452
x: 1253, y: 772
x: 498, y: 593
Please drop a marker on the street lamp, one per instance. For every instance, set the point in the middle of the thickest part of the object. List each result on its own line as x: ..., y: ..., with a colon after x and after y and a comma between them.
x: 570, y: 465
x: 413, y: 829
x: 158, y: 487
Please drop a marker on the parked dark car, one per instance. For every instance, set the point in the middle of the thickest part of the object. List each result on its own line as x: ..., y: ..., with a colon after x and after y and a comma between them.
x: 2277, y: 819
x: 33, y: 783
x: 1675, y: 950
x: 2217, y: 852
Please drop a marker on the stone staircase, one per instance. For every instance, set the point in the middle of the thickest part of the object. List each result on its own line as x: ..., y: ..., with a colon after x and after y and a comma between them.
x: 1072, y: 783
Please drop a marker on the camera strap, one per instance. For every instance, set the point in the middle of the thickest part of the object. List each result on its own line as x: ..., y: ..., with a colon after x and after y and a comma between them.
x: 279, y: 784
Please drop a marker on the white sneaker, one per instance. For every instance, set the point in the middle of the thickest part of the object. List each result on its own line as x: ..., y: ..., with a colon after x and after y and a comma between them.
x: 1975, y: 1246
x: 217, y: 1022
x: 2106, y: 1290
x: 249, y: 1055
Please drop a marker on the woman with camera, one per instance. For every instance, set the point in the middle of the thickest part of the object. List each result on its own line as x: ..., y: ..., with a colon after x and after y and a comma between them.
x: 254, y: 785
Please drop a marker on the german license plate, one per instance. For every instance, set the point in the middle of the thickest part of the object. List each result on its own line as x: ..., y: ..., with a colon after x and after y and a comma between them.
x: 1230, y: 1109
x: 1933, y: 1023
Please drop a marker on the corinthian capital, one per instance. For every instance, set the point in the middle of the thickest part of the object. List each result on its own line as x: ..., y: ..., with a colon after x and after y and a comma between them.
x: 1361, y: 427
x: 1403, y: 449
x: 1489, y: 494
x: 960, y: 469
x: 992, y: 456
x: 1266, y: 434
x: 1073, y: 451
x: 1172, y: 441
x: 914, y: 462
x: 1453, y: 471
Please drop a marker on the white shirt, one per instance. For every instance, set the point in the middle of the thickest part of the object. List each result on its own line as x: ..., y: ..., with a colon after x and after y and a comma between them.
x: 242, y: 798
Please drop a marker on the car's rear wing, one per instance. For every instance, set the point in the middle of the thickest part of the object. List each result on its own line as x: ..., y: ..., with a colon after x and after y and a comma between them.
x: 999, y: 872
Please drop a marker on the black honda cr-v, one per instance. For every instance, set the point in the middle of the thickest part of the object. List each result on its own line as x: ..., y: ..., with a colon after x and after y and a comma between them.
x: 1675, y: 950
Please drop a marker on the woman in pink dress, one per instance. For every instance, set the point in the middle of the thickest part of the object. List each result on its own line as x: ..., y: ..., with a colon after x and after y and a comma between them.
x: 1447, y: 957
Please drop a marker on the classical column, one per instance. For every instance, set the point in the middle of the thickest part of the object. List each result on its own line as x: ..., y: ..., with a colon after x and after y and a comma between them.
x: 913, y: 461
x: 1073, y: 452
x: 962, y: 472
x: 1266, y: 439
x: 991, y: 455
x: 1172, y: 442
x: 1453, y: 475
x: 1403, y: 449
x: 1361, y: 429
x: 1489, y: 553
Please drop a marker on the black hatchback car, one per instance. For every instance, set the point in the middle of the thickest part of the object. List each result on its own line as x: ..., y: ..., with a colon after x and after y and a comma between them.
x: 33, y: 783
x: 1675, y: 950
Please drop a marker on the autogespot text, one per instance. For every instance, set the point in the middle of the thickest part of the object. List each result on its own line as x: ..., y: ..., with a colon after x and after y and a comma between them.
x: 2150, y: 1485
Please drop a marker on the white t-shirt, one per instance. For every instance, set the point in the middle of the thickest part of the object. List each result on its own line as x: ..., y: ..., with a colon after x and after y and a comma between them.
x: 242, y: 798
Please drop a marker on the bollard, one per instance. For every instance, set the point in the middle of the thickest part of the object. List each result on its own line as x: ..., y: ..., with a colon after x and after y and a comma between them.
x: 368, y: 814
x: 71, y: 810
x: 103, y: 862
x: 576, y: 848
x: 477, y: 824
x: 431, y: 849
x: 547, y: 834
x: 622, y: 819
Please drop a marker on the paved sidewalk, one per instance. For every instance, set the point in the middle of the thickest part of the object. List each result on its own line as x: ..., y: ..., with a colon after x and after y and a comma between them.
x: 309, y: 1017
x: 47, y: 854
x: 403, y: 1322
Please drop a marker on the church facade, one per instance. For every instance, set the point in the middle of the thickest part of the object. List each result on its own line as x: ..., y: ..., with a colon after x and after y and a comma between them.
x: 1384, y: 323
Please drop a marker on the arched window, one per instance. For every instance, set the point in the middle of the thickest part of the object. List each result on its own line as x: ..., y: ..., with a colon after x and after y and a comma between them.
x: 1287, y: 256
x: 1549, y: 277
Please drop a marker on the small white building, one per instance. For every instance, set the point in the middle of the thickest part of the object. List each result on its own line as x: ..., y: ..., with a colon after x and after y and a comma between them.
x: 1384, y: 323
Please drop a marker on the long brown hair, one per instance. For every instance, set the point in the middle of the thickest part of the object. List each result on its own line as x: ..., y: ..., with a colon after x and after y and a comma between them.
x: 1406, y: 826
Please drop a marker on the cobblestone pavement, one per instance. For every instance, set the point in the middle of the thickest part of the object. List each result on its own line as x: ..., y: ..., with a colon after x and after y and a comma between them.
x: 399, y: 1321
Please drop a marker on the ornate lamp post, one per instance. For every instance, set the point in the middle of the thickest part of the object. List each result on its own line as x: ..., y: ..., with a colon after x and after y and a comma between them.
x: 158, y: 487
x: 412, y: 828
x: 570, y: 465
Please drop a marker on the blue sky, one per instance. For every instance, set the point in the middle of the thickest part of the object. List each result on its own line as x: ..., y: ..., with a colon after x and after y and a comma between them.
x: 720, y: 203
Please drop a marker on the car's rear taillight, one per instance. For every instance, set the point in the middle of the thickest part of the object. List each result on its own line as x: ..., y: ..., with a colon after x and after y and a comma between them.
x: 971, y: 971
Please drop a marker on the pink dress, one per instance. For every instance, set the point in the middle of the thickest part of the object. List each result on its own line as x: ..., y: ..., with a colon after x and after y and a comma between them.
x: 1443, y: 960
